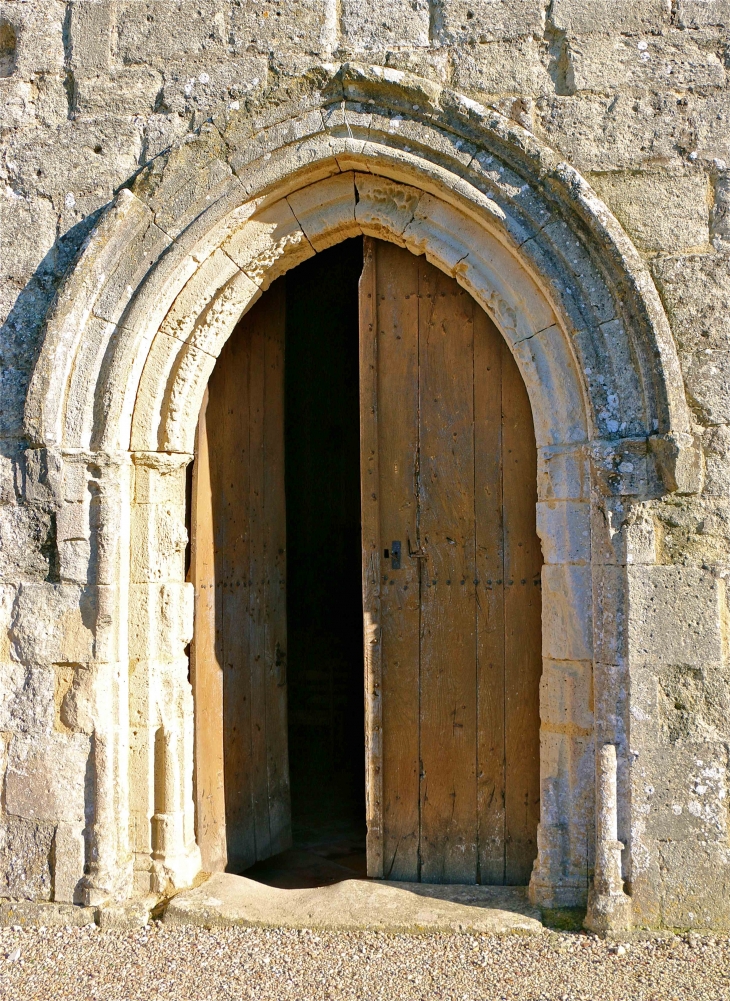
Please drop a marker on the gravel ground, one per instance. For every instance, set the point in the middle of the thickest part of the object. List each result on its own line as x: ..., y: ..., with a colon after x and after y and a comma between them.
x: 196, y: 964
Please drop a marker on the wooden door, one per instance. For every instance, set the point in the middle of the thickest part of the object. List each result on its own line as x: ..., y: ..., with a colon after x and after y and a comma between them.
x: 238, y: 657
x: 451, y: 575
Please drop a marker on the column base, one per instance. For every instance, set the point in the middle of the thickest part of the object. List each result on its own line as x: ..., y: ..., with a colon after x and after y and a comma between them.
x: 175, y: 872
x: 608, y: 912
x: 557, y: 893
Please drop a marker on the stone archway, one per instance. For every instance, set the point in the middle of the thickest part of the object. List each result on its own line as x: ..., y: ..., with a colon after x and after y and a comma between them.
x: 133, y: 337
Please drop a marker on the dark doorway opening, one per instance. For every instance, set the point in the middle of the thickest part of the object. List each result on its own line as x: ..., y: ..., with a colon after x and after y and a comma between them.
x: 324, y: 595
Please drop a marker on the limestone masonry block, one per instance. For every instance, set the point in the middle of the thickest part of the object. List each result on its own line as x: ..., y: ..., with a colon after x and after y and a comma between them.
x: 699, y: 321
x: 18, y: 217
x: 610, y: 690
x: 196, y: 294
x: 610, y: 608
x: 90, y: 34
x: 161, y: 621
x: 35, y: 789
x: 54, y: 623
x: 26, y: 543
x: 564, y: 530
x: 674, y: 218
x: 566, y: 612
x: 326, y: 211
x: 478, y: 21
x: 384, y: 205
x: 623, y: 131
x: 382, y: 24
x: 603, y: 65
x: 25, y: 855
x: 683, y: 792
x: 716, y: 446
x: 699, y: 13
x: 622, y: 532
x: 153, y: 31
x: 675, y: 615
x: 562, y: 473
x: 159, y: 479
x: 262, y: 243
x: 280, y: 25
x: 538, y: 360
x: 26, y: 698
x: 566, y: 695
x: 160, y: 538
x: 68, y: 870
x: 504, y: 67
x: 693, y: 704
x: 688, y: 868
x: 625, y: 16
x: 708, y: 377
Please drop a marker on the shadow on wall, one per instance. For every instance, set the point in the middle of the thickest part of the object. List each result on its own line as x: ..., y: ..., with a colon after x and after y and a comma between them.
x: 8, y: 40
x: 20, y: 334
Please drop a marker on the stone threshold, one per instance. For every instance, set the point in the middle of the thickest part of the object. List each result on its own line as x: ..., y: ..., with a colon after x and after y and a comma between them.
x: 354, y: 904
x: 226, y: 900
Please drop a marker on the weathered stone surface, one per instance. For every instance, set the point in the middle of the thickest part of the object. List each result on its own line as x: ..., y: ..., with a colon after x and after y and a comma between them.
x: 68, y: 864
x: 27, y: 541
x: 708, y: 377
x: 566, y: 619
x: 226, y: 899
x: 716, y: 446
x: 699, y: 321
x: 25, y: 850
x: 564, y: 530
x: 26, y: 912
x: 675, y: 616
x: 621, y: 132
x: 35, y: 790
x: 26, y: 699
x: 605, y: 63
x: 624, y: 16
x: 459, y: 21
x: 661, y: 212
x: 381, y: 24
x: 684, y: 790
x: 566, y: 695
x: 53, y: 623
x: 698, y: 13
x: 248, y: 147
x: 503, y: 68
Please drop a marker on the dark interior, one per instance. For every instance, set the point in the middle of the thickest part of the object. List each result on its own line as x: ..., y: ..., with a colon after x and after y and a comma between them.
x: 324, y: 598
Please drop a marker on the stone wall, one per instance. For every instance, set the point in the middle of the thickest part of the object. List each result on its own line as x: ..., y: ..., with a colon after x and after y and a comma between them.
x: 634, y: 95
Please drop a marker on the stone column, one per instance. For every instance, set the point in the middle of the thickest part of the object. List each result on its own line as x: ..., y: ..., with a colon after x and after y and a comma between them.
x: 93, y: 540
x: 161, y: 704
x: 609, y: 908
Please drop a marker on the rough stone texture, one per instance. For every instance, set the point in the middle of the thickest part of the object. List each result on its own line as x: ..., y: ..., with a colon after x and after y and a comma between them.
x: 226, y: 900
x: 199, y: 107
x: 682, y: 222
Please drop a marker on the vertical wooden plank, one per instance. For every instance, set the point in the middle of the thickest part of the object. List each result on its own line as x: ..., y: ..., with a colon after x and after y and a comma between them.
x: 448, y: 626
x: 245, y: 422
x: 397, y: 348
x: 206, y: 676
x: 522, y: 611
x: 274, y: 496
x: 228, y: 438
x: 370, y: 493
x: 488, y: 346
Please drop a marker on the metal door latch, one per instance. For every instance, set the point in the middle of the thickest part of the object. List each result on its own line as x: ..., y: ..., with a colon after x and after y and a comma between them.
x: 395, y: 550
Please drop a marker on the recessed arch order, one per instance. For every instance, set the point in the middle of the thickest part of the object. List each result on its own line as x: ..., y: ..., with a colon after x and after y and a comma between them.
x: 190, y: 245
